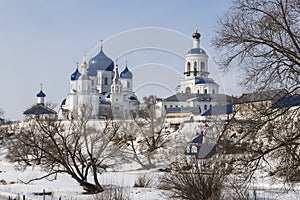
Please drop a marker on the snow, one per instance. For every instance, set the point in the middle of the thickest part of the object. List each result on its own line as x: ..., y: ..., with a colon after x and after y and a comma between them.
x: 123, y: 176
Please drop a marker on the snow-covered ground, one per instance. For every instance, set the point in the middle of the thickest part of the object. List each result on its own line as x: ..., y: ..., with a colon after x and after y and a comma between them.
x: 124, y: 176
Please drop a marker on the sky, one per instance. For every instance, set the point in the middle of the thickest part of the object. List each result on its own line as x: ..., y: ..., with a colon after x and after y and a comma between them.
x: 41, y: 42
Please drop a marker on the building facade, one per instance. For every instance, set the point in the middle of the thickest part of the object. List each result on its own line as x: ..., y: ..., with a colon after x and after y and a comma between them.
x: 197, y: 91
x: 99, y: 87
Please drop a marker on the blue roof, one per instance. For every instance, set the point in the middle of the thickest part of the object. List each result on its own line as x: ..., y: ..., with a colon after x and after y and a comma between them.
x: 198, y: 139
x: 202, y: 80
x: 288, y: 101
x: 75, y: 75
x: 126, y: 73
x: 219, y: 110
x: 196, y: 51
x: 41, y: 94
x: 100, y: 62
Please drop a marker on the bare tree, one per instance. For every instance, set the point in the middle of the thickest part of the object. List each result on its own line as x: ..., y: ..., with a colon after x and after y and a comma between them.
x: 263, y: 37
x: 2, y: 113
x: 147, y: 135
x: 79, y: 148
x: 198, y: 182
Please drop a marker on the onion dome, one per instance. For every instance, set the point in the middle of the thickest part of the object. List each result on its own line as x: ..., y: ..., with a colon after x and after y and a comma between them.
x: 100, y: 62
x: 126, y: 73
x: 196, y: 34
x: 41, y: 94
x: 75, y: 75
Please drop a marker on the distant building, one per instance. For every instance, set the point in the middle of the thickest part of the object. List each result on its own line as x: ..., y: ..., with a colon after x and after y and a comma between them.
x: 197, y: 92
x: 101, y: 88
x: 40, y: 109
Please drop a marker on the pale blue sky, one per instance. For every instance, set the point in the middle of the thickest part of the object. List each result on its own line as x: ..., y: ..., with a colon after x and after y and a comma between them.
x: 40, y: 41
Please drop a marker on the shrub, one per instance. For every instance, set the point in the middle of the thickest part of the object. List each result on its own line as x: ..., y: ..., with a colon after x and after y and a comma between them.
x: 143, y: 181
x: 199, y: 183
x: 113, y: 193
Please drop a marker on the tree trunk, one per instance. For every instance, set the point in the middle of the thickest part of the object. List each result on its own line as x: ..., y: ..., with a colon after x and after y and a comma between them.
x: 91, y: 188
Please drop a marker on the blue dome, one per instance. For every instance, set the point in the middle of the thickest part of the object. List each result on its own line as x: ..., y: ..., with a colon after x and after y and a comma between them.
x: 100, y: 62
x: 196, y: 51
x: 40, y: 94
x: 75, y: 75
x: 126, y: 73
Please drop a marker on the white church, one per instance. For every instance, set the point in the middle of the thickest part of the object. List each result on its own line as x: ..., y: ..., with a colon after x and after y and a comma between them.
x: 99, y: 87
x: 197, y: 92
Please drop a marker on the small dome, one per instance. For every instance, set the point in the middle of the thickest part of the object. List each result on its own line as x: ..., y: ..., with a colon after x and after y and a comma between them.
x: 196, y: 35
x: 100, y: 62
x: 75, y: 75
x: 126, y: 73
x: 41, y: 94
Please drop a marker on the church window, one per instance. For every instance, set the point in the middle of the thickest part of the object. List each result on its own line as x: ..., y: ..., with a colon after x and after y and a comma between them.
x: 202, y: 66
x: 171, y: 106
x: 205, y: 91
x: 105, y: 81
x: 113, y: 88
x: 195, y: 64
x: 188, y: 69
x: 205, y: 107
x: 128, y: 85
x: 188, y: 90
x: 198, y: 91
x: 117, y: 89
x: 213, y: 91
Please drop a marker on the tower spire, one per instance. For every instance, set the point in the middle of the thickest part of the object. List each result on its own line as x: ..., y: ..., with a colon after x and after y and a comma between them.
x: 84, y: 63
x: 101, y: 43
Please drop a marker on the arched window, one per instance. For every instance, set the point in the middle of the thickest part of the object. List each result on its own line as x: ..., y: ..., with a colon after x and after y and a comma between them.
x: 202, y: 66
x: 213, y: 91
x: 128, y: 85
x: 113, y: 88
x: 205, y: 107
x: 205, y: 91
x: 188, y: 68
x: 198, y: 91
x: 105, y: 81
x: 117, y: 89
x: 195, y: 64
x: 188, y: 90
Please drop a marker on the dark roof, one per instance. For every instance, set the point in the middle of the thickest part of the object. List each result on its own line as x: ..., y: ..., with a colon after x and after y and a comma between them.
x: 199, y: 97
x: 39, y: 109
x: 270, y: 95
x: 183, y: 110
x: 198, y: 139
x: 100, y: 62
x: 219, y: 110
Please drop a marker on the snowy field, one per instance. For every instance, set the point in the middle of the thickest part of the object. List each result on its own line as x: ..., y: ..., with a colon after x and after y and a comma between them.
x: 65, y: 187
x: 122, y: 176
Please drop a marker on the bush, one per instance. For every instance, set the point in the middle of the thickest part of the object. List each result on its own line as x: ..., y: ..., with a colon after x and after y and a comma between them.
x: 199, y: 183
x: 113, y: 193
x: 143, y: 181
